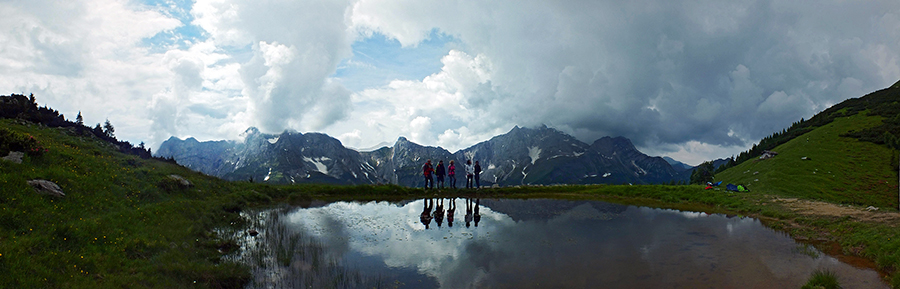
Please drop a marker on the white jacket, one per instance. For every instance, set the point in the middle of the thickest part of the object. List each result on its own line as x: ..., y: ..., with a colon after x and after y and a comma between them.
x: 470, y: 169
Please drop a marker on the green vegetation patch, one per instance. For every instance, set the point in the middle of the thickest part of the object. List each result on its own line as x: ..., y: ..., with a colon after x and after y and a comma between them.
x: 116, y: 227
x: 822, y: 165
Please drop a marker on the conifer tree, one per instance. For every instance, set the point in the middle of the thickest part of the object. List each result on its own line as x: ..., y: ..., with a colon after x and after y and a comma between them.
x: 79, y: 123
x: 108, y: 129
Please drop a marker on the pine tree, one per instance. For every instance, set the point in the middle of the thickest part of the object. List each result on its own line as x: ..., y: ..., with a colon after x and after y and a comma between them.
x: 108, y: 129
x: 79, y: 123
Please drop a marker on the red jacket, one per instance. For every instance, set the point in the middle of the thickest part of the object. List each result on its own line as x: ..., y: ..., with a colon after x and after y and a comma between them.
x: 428, y: 169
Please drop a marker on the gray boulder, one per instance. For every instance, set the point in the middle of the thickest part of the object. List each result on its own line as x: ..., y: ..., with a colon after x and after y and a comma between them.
x: 46, y: 187
x: 181, y: 181
x: 15, y: 157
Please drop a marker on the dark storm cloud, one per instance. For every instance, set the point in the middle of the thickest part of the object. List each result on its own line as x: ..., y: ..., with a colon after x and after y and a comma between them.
x: 724, y: 73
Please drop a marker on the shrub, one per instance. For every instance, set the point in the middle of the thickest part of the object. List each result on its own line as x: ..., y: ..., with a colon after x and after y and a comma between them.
x: 14, y: 141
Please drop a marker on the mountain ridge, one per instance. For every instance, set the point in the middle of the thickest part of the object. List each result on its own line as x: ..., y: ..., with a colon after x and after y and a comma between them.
x: 522, y: 156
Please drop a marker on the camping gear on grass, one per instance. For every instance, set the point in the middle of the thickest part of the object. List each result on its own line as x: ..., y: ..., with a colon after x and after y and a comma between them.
x: 731, y: 187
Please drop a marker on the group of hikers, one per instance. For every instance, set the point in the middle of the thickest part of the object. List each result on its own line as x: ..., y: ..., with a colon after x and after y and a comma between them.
x: 436, y: 213
x: 473, y: 174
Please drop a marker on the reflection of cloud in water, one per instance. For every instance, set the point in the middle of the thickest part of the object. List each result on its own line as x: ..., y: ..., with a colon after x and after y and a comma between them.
x: 586, y: 244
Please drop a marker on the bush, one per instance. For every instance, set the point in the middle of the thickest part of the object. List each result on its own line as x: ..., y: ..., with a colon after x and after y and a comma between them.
x: 13, y: 141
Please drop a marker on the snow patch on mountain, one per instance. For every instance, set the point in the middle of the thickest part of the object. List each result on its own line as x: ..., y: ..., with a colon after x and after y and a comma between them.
x: 273, y: 140
x: 534, y: 153
x: 321, y: 167
x: 470, y: 155
x: 640, y: 170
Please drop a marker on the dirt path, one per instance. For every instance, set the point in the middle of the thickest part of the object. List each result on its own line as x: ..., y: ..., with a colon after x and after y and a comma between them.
x: 806, y: 207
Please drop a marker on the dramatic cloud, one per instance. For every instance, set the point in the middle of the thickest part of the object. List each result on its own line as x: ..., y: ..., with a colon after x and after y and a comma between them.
x: 691, y: 79
x: 661, y: 73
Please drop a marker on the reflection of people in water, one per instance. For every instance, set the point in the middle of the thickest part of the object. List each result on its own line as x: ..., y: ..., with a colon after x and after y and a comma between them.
x: 450, y: 211
x: 468, y: 212
x: 439, y: 212
x: 426, y: 213
x: 477, y: 215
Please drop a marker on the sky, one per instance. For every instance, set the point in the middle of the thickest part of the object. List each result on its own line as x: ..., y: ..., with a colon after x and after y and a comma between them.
x: 693, y: 80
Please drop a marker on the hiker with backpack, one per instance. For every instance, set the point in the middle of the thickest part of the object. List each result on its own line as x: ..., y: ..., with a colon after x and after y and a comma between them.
x: 440, y: 174
x: 477, y: 175
x: 451, y: 173
x: 428, y: 171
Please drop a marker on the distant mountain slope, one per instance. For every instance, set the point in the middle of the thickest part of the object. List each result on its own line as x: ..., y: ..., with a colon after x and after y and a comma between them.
x: 523, y: 156
x: 677, y: 164
x: 843, y: 162
x: 883, y: 103
x: 285, y: 158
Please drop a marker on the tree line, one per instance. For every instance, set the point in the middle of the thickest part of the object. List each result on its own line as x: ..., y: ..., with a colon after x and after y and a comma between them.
x: 18, y: 106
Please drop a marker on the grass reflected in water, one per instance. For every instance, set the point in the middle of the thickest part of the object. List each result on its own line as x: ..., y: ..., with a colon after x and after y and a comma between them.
x: 285, y: 257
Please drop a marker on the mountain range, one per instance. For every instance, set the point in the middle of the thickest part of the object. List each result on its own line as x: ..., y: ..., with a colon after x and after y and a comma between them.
x: 523, y: 156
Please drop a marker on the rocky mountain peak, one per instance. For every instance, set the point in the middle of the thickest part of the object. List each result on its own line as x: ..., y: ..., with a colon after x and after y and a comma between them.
x: 538, y: 155
x: 608, y: 145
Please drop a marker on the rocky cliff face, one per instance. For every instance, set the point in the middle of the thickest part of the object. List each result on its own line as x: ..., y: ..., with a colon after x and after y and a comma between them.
x: 286, y: 158
x: 523, y: 156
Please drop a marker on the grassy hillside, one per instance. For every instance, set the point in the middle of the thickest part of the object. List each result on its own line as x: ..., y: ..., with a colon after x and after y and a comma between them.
x: 838, y: 169
x: 122, y: 224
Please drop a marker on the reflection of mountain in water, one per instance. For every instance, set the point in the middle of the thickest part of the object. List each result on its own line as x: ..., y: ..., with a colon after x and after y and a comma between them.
x: 542, y: 209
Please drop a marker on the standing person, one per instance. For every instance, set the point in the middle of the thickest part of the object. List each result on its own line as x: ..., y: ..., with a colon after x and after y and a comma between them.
x: 451, y: 173
x: 477, y: 175
x: 439, y: 212
x: 440, y: 174
x: 428, y: 171
x: 468, y: 216
x: 425, y: 217
x: 477, y: 214
x: 451, y: 209
x: 470, y: 172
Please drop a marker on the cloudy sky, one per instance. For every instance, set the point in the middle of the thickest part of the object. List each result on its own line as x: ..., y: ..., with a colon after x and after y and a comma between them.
x: 693, y: 80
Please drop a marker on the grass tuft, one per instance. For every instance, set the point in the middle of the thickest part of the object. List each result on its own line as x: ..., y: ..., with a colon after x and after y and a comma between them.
x: 822, y: 279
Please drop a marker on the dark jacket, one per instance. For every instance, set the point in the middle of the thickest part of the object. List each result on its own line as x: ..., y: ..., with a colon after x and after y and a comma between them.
x: 440, y: 170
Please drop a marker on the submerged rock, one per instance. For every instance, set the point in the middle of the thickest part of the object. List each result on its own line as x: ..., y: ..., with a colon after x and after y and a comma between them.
x: 46, y: 187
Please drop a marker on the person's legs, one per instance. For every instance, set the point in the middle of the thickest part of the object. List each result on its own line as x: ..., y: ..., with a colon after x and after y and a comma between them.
x: 477, y: 181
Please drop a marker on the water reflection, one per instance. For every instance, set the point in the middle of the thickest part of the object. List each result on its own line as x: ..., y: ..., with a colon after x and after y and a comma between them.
x: 536, y: 244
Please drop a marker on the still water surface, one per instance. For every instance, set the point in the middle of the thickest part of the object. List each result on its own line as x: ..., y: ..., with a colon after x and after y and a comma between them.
x: 502, y: 243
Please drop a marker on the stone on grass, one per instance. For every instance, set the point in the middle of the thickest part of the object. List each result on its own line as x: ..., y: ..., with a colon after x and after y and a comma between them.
x: 47, y: 188
x: 181, y: 181
x: 15, y: 157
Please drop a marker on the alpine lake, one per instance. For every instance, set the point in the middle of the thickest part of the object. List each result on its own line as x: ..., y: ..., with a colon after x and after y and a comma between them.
x: 514, y: 243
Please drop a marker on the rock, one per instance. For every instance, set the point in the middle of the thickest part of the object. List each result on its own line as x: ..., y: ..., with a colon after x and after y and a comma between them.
x: 15, y: 157
x: 181, y: 181
x: 871, y: 208
x: 46, y: 187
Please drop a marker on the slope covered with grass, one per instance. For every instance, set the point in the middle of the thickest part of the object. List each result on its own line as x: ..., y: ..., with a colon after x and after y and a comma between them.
x: 123, y: 222
x: 837, y: 169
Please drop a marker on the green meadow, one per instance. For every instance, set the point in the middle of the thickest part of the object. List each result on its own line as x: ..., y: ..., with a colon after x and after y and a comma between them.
x: 125, y: 223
